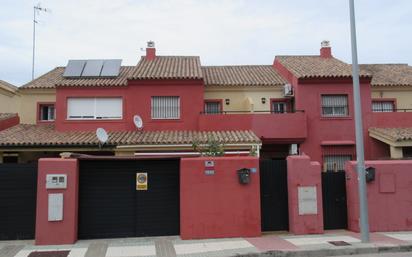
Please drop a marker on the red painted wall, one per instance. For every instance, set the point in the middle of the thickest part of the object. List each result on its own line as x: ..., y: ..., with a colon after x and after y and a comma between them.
x: 283, y: 127
x: 308, y: 98
x: 57, y: 232
x: 303, y: 172
x: 7, y: 123
x: 218, y: 205
x: 136, y: 100
x: 389, y: 196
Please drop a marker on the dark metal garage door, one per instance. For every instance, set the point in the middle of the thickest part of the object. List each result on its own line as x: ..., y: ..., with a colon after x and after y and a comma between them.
x: 18, y: 183
x: 110, y: 206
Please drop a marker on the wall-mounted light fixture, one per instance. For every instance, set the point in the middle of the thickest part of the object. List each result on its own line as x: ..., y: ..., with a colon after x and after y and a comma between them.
x: 227, y: 101
x: 263, y: 100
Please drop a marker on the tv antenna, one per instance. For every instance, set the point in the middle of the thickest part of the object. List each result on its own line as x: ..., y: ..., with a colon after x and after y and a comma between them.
x: 36, y: 10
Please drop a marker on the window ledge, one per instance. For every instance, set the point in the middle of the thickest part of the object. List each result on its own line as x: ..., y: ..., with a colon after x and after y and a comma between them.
x: 336, y: 118
x: 45, y: 121
x: 95, y: 120
x: 165, y: 120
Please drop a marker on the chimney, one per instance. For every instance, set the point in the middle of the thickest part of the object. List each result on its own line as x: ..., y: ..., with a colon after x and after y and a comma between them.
x: 325, y: 50
x: 150, y: 51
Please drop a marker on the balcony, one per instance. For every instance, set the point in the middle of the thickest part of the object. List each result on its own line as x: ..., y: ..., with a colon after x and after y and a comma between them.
x: 271, y: 127
x: 392, y: 118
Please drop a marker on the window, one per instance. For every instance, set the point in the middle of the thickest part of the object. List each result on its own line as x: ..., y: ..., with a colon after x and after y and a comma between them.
x: 335, y: 105
x: 334, y: 163
x: 213, y: 107
x: 95, y: 108
x: 165, y: 107
x: 383, y: 106
x: 279, y: 107
x: 47, y: 112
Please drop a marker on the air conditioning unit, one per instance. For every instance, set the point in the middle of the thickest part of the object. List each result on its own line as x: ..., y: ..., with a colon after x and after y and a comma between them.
x: 287, y: 90
x: 294, y: 149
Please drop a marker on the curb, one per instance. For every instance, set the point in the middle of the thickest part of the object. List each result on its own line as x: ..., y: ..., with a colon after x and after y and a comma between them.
x: 331, y: 252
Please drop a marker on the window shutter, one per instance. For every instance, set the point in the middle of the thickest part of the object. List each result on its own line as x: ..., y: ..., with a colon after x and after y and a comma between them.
x: 108, y: 108
x: 80, y: 108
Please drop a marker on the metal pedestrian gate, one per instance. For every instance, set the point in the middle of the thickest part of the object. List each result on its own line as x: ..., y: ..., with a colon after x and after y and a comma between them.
x: 334, y: 200
x: 274, y: 195
x: 18, y: 184
x: 128, y: 198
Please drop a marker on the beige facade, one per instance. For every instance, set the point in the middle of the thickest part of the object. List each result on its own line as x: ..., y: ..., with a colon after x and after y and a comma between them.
x: 29, y: 99
x: 244, y: 98
x: 9, y: 101
x: 403, y: 95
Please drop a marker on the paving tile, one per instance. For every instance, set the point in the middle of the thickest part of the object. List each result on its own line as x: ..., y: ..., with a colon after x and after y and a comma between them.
x: 206, y: 247
x: 403, y: 236
x: 131, y: 251
x: 10, y: 250
x: 379, y: 238
x: 320, y: 239
x: 269, y: 243
x: 96, y: 249
x: 164, y: 248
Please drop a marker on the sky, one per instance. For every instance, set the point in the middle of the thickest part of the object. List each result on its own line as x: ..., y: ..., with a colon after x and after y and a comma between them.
x: 221, y: 32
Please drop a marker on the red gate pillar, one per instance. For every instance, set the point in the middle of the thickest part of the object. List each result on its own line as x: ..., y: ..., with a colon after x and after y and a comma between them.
x: 57, y: 201
x: 304, y: 196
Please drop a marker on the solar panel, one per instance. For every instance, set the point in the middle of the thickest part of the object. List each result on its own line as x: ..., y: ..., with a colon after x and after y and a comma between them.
x: 111, y: 68
x: 93, y: 68
x: 74, y: 68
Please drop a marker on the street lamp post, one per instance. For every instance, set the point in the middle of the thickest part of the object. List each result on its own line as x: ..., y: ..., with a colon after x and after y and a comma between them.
x: 360, y: 158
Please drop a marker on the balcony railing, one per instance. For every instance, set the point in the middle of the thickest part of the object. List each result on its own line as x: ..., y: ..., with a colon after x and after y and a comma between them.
x: 252, y: 112
x: 392, y: 110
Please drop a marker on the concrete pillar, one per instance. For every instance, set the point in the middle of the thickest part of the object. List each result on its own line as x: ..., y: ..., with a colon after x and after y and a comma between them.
x: 305, y: 189
x: 63, y: 231
x: 396, y: 152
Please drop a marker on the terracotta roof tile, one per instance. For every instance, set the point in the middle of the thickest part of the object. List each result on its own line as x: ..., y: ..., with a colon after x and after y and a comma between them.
x: 168, y: 67
x: 314, y: 66
x: 394, y: 134
x: 5, y: 116
x: 45, y: 135
x: 55, y: 78
x: 242, y: 75
x: 7, y: 86
x: 389, y: 74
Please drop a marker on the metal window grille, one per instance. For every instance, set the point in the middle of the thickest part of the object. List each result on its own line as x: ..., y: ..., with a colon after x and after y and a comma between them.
x: 279, y: 107
x: 334, y: 163
x: 382, y: 106
x: 165, y: 107
x: 212, y: 107
x: 335, y: 105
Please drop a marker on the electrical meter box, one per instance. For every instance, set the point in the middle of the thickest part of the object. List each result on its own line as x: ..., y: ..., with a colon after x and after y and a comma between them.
x: 56, y: 181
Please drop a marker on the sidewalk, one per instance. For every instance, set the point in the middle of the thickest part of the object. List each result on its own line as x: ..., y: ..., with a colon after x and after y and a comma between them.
x: 346, y: 243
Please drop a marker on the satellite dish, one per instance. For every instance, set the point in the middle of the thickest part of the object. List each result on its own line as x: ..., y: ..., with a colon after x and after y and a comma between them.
x: 102, y: 135
x: 138, y: 122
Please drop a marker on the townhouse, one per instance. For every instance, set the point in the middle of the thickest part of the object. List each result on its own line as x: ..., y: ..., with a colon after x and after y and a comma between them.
x: 297, y: 105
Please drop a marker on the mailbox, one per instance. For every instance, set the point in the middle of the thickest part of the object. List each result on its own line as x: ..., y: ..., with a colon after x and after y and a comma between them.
x: 244, y: 176
x: 370, y: 174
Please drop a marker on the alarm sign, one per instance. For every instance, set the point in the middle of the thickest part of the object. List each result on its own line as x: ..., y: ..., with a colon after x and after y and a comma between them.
x: 141, y: 181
